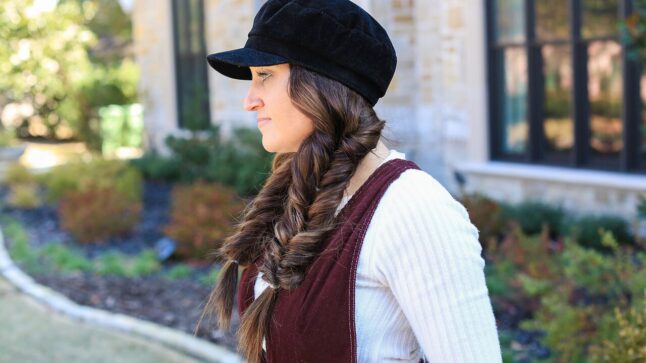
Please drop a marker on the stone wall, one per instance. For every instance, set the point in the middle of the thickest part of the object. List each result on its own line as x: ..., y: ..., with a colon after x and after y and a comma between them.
x: 153, y: 40
x: 227, y: 24
x: 398, y: 106
x: 581, y: 192
x: 436, y: 105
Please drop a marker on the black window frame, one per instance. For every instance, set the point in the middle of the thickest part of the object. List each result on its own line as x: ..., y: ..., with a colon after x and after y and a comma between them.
x: 191, y: 77
x: 629, y: 160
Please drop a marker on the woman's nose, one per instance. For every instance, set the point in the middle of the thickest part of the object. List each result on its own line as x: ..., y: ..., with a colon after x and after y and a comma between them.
x: 251, y: 101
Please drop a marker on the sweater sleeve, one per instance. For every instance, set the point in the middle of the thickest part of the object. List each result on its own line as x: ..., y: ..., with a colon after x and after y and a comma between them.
x: 430, y: 259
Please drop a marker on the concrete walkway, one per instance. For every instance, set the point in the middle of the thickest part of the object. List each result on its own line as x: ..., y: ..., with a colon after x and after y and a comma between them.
x: 31, y: 333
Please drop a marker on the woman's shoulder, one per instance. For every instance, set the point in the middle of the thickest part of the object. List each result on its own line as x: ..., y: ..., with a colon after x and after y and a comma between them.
x: 417, y: 195
x: 415, y: 218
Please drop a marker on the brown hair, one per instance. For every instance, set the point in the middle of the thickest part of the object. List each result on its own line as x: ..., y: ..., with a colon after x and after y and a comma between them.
x: 293, y: 213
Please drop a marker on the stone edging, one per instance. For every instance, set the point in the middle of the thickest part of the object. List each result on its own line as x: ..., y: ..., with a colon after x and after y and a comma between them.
x: 171, y: 338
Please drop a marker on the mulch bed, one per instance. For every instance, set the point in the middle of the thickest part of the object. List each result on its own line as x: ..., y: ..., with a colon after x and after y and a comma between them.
x: 174, y: 303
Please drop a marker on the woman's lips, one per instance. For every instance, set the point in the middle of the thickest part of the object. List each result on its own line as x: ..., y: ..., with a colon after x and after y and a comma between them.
x: 262, y: 121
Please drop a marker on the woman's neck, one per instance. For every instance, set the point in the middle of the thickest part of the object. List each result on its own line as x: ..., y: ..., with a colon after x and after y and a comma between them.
x: 366, y: 167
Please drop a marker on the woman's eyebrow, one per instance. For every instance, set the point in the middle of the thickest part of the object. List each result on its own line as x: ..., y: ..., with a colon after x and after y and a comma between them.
x: 259, y: 70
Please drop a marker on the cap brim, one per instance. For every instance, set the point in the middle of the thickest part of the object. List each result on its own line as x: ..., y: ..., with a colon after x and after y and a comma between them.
x: 235, y: 63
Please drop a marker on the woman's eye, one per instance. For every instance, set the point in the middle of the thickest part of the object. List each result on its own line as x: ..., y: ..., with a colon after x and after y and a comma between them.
x: 262, y: 75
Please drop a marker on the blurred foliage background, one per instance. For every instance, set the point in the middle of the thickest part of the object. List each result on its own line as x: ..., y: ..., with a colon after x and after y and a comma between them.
x: 64, y: 61
x: 634, y: 31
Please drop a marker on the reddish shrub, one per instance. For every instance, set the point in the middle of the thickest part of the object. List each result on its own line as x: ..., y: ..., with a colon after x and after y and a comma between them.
x: 95, y: 214
x: 486, y: 215
x: 202, y: 215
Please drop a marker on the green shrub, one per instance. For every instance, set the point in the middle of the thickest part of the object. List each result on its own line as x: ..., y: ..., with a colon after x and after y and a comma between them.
x: 532, y: 215
x: 23, y: 187
x: 534, y: 286
x: 20, y: 250
x: 194, y: 152
x: 60, y: 180
x: 576, y: 311
x: 98, y: 173
x: 18, y: 174
x: 146, y: 263
x: 532, y: 255
x: 626, y: 343
x: 641, y: 207
x: 128, y: 183
x: 633, y: 32
x: 486, y: 215
x: 156, y: 167
x: 210, y: 278
x: 24, y: 196
x: 569, y: 329
x: 202, y: 215
x: 97, y: 213
x: 588, y: 231
x: 239, y: 162
x: 65, y: 260
x: 111, y: 263
x: 120, y: 264
x: 242, y: 163
x: 179, y: 271
x: 505, y: 339
x: 520, y: 268
x: 499, y: 278
x: 589, y: 269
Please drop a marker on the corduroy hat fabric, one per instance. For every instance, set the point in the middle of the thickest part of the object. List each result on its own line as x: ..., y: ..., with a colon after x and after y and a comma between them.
x: 335, y: 38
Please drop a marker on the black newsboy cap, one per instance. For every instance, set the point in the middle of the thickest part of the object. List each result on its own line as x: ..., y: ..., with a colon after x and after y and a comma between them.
x: 335, y: 38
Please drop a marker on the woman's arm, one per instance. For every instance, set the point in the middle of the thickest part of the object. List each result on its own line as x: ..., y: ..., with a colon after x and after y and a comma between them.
x: 430, y: 259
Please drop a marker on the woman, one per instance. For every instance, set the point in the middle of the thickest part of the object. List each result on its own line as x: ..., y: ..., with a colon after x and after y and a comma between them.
x: 350, y: 252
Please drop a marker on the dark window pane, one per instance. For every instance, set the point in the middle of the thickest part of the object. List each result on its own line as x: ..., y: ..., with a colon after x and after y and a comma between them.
x: 196, y: 26
x: 642, y: 127
x: 600, y: 18
x: 605, y: 95
x: 513, y: 99
x: 191, y: 76
x: 557, y: 120
x: 510, y: 21
x: 552, y: 20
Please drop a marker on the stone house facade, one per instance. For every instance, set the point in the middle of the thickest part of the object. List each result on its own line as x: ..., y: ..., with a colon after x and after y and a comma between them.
x: 465, y: 88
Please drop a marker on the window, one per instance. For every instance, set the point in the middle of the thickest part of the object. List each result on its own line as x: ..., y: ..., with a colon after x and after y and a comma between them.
x: 259, y: 4
x: 190, y: 64
x: 642, y: 129
x: 561, y: 90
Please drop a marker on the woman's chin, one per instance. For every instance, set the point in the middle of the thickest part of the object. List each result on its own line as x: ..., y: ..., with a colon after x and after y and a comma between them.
x: 269, y: 147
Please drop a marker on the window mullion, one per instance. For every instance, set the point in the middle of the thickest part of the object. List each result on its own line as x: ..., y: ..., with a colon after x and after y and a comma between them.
x: 191, y: 78
x: 580, y: 89
x: 630, y: 106
x: 494, y: 94
x: 205, y: 104
x: 535, y: 72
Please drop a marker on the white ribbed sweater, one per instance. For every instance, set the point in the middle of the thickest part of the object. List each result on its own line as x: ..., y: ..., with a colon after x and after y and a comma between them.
x: 420, y: 285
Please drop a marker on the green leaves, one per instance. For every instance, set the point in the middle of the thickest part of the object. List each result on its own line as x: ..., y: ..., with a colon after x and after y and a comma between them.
x: 52, y: 64
x: 633, y: 32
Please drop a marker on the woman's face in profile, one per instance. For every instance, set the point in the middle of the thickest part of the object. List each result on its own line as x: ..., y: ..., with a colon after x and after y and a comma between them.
x: 282, y: 125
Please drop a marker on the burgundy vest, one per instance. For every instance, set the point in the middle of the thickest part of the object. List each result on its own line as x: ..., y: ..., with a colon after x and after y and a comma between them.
x: 315, y: 322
